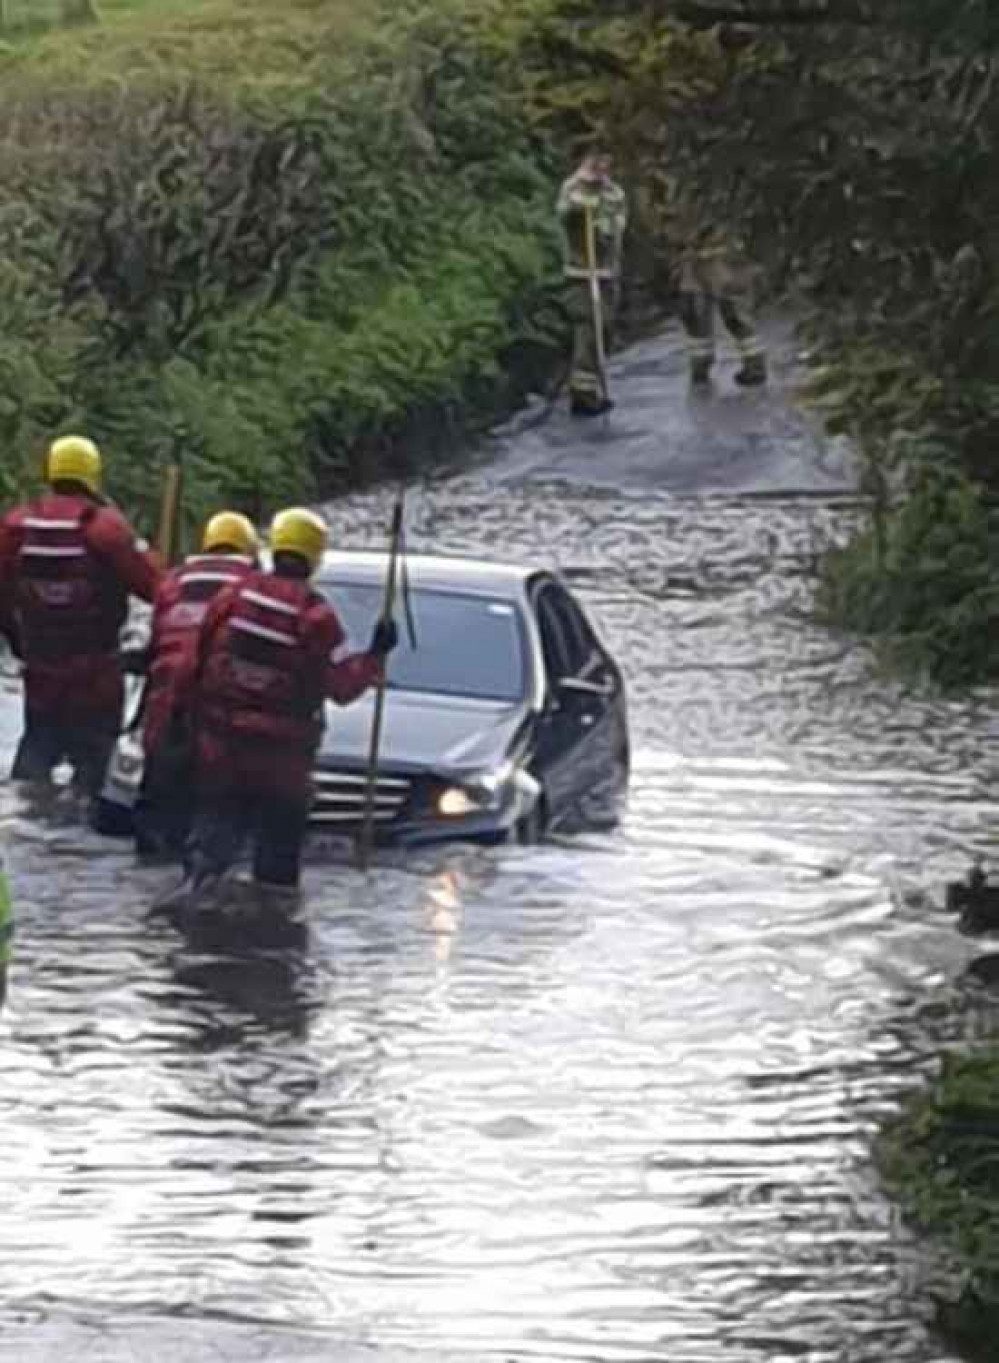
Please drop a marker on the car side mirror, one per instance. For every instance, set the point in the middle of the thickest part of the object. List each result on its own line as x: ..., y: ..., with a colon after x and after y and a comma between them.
x: 579, y: 686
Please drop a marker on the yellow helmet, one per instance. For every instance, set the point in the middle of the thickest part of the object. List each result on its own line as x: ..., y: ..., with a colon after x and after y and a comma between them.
x: 302, y: 532
x: 73, y: 459
x: 230, y: 530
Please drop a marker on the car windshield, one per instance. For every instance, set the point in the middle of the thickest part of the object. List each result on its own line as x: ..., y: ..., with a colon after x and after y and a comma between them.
x: 465, y: 645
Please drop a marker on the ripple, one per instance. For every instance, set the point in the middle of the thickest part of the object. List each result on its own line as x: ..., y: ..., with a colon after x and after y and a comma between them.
x: 611, y: 1098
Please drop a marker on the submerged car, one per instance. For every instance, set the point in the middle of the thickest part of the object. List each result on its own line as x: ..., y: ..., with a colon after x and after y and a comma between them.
x: 505, y: 716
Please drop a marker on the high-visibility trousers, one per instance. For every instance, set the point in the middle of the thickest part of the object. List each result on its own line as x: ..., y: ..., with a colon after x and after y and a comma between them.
x: 584, y: 377
x: 711, y: 284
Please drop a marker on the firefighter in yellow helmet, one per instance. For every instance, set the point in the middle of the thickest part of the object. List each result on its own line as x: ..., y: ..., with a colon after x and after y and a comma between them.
x: 265, y: 667
x: 229, y: 552
x: 68, y: 564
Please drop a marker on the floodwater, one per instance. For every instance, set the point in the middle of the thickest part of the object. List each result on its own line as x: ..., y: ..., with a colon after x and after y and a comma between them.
x: 608, y: 1099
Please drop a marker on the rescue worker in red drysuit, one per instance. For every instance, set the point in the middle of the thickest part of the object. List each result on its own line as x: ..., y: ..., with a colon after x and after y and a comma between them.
x: 230, y: 550
x: 68, y: 564
x: 266, y: 663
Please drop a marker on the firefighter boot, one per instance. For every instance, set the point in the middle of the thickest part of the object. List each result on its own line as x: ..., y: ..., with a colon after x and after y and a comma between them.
x: 753, y: 372
x: 588, y: 402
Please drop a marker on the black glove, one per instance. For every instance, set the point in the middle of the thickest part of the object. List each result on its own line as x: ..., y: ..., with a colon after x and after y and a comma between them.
x: 384, y: 639
x: 134, y: 661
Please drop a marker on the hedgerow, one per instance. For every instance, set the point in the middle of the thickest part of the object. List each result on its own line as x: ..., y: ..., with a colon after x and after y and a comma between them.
x: 299, y: 249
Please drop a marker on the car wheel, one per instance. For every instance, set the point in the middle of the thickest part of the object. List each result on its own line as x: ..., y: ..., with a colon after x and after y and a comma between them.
x: 531, y: 829
x: 112, y: 820
x: 624, y: 763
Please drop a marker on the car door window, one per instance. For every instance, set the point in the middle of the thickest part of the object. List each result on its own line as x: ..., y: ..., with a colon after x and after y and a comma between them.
x: 580, y: 642
x: 554, y: 643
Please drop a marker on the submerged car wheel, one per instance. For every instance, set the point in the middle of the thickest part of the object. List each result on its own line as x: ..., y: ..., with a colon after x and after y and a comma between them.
x: 532, y: 827
x: 112, y: 820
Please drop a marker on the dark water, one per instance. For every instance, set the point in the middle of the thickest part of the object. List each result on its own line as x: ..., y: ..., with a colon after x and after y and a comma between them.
x: 609, y: 1099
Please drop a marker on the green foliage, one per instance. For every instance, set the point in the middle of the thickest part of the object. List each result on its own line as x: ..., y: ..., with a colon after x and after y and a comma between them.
x: 924, y: 578
x: 306, y: 242
x: 850, y: 154
x: 967, y: 25
x: 25, y: 16
x: 942, y: 1159
x: 320, y: 264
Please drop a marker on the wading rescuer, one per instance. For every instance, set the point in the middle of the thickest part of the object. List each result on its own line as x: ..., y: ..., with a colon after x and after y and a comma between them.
x: 714, y: 276
x: 713, y: 279
x: 714, y: 272
x: 593, y: 214
x: 266, y: 663
x: 68, y: 564
x: 230, y: 550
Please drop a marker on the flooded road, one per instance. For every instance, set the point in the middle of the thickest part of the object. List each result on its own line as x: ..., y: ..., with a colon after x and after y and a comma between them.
x: 608, y: 1099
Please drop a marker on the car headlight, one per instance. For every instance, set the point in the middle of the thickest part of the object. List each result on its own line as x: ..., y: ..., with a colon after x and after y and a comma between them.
x: 454, y: 802
x: 480, y: 792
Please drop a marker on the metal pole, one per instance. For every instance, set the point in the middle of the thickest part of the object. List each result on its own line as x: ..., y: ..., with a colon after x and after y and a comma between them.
x: 366, y: 835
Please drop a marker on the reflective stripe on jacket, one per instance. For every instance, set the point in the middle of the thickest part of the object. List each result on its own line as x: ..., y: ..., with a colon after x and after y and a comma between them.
x: 179, y: 611
x: 259, y: 675
x: 68, y: 603
x: 183, y: 600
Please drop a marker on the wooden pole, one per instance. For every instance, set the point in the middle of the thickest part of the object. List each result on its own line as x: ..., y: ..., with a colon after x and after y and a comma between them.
x: 366, y: 835
x: 168, y: 536
x: 596, y: 303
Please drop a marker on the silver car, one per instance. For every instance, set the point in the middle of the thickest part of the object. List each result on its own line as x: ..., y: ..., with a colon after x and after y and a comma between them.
x: 505, y: 716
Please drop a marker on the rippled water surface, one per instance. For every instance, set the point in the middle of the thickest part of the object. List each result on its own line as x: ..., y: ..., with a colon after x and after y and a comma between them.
x: 607, y: 1099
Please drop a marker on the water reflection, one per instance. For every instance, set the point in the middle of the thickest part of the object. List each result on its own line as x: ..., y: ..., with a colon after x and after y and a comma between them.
x: 233, y: 995
x: 444, y: 912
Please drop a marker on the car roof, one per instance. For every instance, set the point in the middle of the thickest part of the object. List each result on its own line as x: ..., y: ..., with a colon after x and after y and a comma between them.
x: 480, y: 577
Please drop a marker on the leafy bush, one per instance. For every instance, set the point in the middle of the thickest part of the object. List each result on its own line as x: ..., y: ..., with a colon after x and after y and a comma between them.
x: 337, y: 248
x: 925, y: 580
x: 942, y: 1159
x: 848, y: 146
x: 306, y: 241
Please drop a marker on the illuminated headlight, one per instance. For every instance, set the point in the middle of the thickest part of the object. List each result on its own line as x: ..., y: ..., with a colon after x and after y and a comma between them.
x: 481, y: 792
x: 454, y: 802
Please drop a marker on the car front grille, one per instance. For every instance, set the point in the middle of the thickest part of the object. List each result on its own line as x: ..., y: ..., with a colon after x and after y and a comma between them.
x: 339, y: 798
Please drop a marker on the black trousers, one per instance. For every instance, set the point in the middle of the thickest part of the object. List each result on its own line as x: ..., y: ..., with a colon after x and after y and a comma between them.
x: 164, y: 811
x: 47, y: 741
x: 225, y: 821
